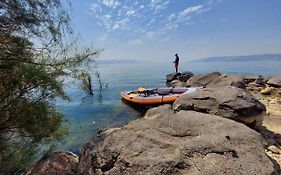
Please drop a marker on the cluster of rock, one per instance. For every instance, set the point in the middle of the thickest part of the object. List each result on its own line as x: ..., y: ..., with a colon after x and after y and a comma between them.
x: 267, y: 86
x: 228, y: 102
x: 205, y: 132
x: 214, y: 79
x: 271, y: 130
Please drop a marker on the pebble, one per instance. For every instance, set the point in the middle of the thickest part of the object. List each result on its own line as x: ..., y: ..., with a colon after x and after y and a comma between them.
x: 274, y: 149
x: 267, y: 91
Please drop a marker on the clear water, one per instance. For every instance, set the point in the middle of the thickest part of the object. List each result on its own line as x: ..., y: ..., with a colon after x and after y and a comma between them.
x: 86, y: 115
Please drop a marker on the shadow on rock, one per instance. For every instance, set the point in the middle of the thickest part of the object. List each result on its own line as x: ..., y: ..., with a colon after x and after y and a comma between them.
x: 272, y: 143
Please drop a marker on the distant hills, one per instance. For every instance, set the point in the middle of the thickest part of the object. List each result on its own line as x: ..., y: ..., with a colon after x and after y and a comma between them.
x: 116, y: 61
x: 263, y: 57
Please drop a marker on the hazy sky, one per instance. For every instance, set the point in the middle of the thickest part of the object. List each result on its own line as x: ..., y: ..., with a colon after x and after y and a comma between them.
x: 157, y: 29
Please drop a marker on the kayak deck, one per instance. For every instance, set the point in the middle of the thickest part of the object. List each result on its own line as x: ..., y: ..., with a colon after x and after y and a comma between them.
x: 154, y: 96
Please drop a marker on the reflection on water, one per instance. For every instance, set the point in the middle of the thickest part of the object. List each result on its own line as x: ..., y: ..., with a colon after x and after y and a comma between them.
x: 138, y: 107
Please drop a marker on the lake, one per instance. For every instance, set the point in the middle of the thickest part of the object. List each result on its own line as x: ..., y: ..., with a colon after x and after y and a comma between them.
x: 86, y: 115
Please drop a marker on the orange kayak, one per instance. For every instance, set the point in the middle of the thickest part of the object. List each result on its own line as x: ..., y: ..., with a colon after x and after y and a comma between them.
x: 155, y: 96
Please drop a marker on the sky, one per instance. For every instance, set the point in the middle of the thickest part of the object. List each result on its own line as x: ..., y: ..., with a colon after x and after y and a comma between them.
x: 154, y: 30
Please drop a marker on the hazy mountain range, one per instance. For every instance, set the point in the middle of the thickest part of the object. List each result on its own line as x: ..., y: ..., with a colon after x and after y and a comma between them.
x: 118, y: 61
x: 263, y: 57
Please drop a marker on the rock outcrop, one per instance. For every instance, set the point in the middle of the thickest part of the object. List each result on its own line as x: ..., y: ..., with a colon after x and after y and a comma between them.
x: 186, y: 75
x: 253, y: 86
x: 176, y: 83
x: 186, y: 142
x: 63, y: 163
x: 229, y: 102
x: 183, y: 77
x: 202, y: 79
x: 257, y: 83
x: 249, y: 79
x: 275, y: 81
x: 227, y: 80
x: 172, y: 76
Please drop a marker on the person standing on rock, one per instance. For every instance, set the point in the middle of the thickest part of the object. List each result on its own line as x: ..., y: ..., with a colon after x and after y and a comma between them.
x: 177, y: 59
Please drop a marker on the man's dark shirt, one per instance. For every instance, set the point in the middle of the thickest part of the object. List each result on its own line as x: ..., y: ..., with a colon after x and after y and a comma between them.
x: 177, y: 60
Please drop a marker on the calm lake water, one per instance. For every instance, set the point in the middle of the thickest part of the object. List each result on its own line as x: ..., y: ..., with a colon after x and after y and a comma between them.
x: 86, y: 115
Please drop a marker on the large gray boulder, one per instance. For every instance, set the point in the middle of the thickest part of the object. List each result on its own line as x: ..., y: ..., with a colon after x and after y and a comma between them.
x: 64, y: 163
x: 275, y: 81
x: 202, y: 80
x: 229, y: 102
x: 186, y: 142
x: 227, y: 80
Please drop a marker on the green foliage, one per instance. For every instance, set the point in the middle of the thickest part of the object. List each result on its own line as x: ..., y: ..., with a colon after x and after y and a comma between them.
x: 35, y: 56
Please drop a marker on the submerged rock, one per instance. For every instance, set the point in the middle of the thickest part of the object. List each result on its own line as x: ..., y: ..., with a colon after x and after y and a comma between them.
x: 186, y: 142
x: 64, y: 163
x: 229, y: 102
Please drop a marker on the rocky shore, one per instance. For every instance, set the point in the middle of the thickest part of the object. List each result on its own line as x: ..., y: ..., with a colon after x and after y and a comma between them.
x: 231, y: 126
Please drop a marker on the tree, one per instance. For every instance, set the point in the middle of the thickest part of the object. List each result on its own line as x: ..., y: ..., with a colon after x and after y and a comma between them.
x: 36, y: 54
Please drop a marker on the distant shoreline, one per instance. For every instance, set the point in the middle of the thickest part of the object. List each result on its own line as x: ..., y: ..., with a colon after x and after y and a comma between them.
x: 112, y: 61
x: 246, y: 58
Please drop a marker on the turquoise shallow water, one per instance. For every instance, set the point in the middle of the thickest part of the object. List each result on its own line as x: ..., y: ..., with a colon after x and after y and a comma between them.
x: 86, y: 115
